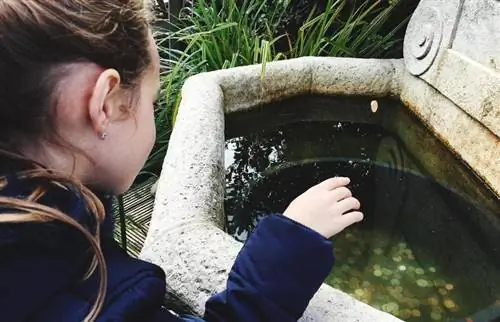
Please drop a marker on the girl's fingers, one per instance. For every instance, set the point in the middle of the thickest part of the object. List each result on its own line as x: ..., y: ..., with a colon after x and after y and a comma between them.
x: 347, y: 204
x: 333, y: 183
x: 348, y: 219
x: 341, y: 193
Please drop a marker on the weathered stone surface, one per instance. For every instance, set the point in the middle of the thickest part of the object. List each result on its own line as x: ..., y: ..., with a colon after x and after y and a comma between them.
x: 348, y: 76
x: 470, y: 140
x: 429, y: 32
x: 463, y: 104
x: 478, y: 35
x: 453, y: 45
x: 184, y: 238
x: 248, y: 86
x: 450, y: 79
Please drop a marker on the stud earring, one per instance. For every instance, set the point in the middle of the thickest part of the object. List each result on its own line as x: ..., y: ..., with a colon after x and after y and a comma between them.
x: 104, y: 135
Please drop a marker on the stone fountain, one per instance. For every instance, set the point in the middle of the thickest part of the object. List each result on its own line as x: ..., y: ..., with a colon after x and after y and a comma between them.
x: 449, y: 77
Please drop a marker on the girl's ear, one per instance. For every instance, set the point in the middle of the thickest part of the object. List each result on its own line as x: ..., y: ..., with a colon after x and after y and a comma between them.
x: 105, y: 101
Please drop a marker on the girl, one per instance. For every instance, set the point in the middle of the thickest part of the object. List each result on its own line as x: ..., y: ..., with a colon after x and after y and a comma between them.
x: 78, y: 79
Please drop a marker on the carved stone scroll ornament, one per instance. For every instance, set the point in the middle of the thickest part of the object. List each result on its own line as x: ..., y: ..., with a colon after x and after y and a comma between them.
x: 423, y: 39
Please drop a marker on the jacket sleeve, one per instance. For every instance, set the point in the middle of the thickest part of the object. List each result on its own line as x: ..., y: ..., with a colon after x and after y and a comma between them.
x: 275, y: 275
x: 34, y: 270
x: 38, y: 260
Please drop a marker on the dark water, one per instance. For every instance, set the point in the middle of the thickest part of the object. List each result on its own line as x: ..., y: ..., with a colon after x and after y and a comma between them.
x: 429, y: 247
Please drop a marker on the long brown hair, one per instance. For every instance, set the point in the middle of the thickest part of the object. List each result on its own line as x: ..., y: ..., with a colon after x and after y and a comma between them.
x: 38, y: 40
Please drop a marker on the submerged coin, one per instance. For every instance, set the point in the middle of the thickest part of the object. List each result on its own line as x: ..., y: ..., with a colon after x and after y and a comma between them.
x: 449, y: 304
x: 436, y: 316
x: 386, y: 271
x: 391, y: 307
x: 433, y: 301
x: 405, y: 314
x: 419, y: 271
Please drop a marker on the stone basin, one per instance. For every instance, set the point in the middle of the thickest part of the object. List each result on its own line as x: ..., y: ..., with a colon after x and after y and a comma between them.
x: 449, y: 78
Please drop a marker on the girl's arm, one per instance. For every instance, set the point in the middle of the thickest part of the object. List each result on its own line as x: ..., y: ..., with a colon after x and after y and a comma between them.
x: 287, y: 258
x: 275, y: 275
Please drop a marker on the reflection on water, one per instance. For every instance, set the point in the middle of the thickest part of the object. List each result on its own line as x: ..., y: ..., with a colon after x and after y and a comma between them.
x: 424, y: 252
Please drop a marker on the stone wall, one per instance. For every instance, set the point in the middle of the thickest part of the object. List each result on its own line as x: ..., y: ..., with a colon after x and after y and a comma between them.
x: 451, y: 47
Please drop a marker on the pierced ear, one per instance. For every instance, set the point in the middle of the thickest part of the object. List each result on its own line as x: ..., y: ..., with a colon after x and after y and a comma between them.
x: 104, y: 102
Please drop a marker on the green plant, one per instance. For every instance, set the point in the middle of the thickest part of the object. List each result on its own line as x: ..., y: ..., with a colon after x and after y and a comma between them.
x: 218, y: 34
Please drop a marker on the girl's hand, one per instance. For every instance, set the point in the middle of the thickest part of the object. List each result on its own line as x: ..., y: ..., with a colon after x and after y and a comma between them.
x: 327, y: 207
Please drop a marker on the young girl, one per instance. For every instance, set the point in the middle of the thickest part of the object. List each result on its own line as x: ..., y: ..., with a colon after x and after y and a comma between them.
x: 78, y: 79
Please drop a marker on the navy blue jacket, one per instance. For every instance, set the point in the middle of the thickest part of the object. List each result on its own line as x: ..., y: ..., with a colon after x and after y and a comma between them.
x: 275, y: 275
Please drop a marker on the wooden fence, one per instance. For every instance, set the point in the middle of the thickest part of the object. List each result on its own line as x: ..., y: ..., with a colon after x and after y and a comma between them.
x: 170, y: 9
